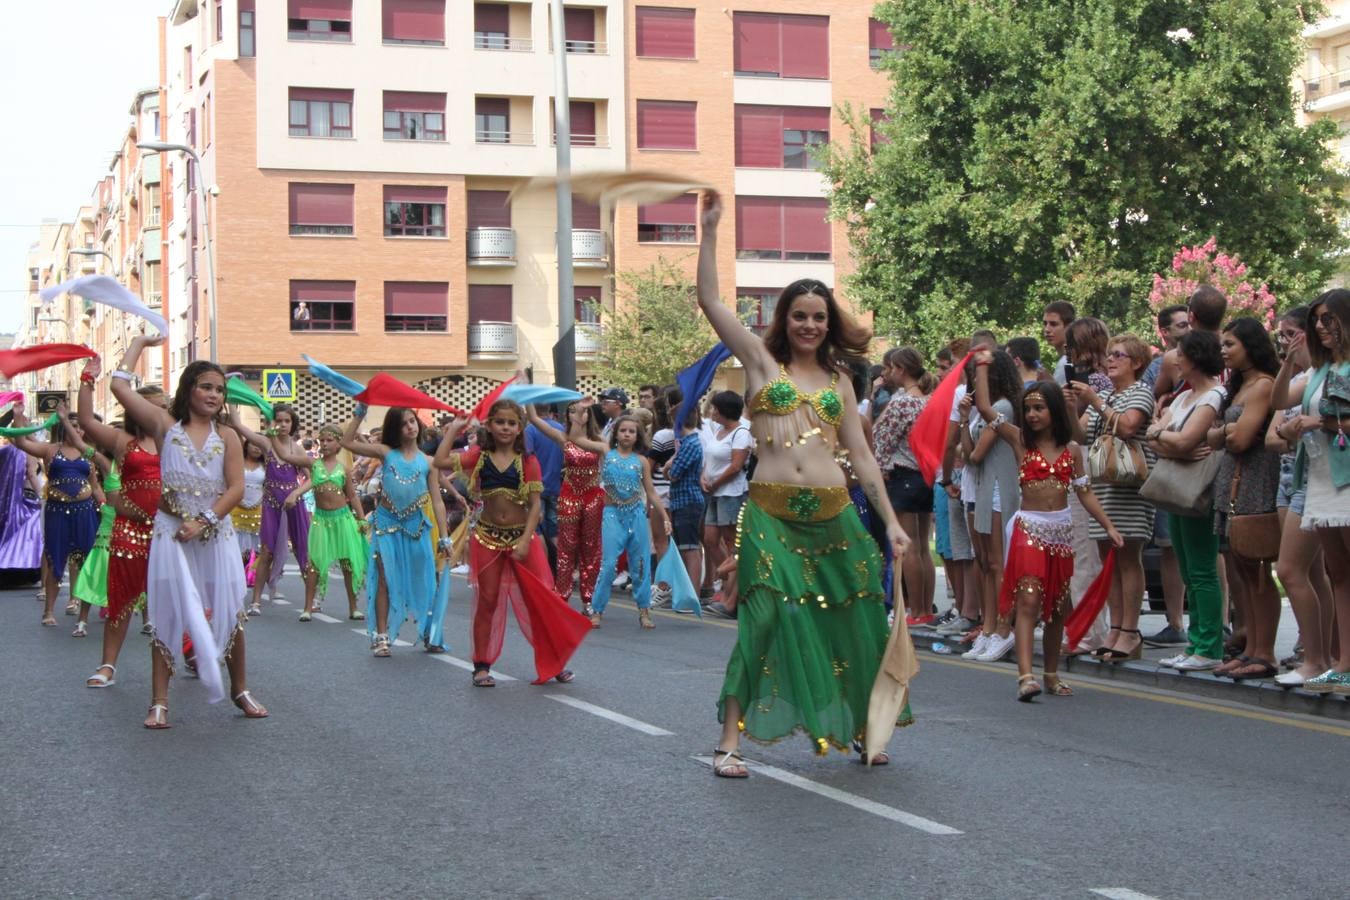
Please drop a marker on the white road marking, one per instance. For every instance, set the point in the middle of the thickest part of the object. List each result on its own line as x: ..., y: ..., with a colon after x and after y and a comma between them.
x: 281, y: 603
x: 468, y: 666
x: 1120, y: 894
x: 398, y: 642
x: 844, y: 797
x: 324, y: 617
x: 611, y: 715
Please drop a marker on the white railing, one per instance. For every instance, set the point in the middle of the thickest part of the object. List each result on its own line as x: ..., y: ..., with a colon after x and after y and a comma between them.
x: 492, y: 337
x: 152, y: 218
x: 595, y: 48
x: 492, y: 246
x: 588, y: 340
x: 517, y: 138
x: 585, y: 140
x: 588, y: 245
x: 483, y: 41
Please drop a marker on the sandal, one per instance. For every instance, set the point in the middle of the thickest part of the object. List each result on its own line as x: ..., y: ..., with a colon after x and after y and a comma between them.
x: 356, y: 615
x: 595, y: 619
x: 1254, y: 669
x: 252, y: 708
x: 1119, y: 656
x: 1056, y: 687
x: 81, y: 630
x: 254, y: 609
x: 435, y: 648
x: 482, y: 677
x: 380, y: 647
x: 1231, y: 665
x: 99, y: 680
x: 732, y: 764
x: 73, y: 608
x: 1100, y: 652
x: 158, y: 720
x: 49, y: 620
x: 1027, y: 688
x: 566, y: 676
x: 306, y: 616
x: 881, y: 758
x: 645, y: 620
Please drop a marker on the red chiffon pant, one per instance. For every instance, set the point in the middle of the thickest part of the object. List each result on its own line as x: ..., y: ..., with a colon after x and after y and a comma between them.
x: 580, y: 515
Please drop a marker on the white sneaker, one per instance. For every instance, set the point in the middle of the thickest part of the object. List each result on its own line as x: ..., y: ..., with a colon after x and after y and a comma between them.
x: 997, y: 649
x: 977, y: 649
x: 621, y: 581
x: 1171, y: 661
x: 461, y: 569
x: 1197, y: 664
x: 1290, y: 679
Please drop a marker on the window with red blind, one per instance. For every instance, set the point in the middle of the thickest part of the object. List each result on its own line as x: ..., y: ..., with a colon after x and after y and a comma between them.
x: 490, y: 303
x: 755, y: 306
x: 585, y: 214
x: 581, y: 118
x: 587, y: 304
x: 414, y: 22
x: 667, y: 125
x: 328, y: 305
x: 416, y: 305
x: 779, y: 137
x: 491, y: 26
x: 320, y: 112
x: 880, y: 42
x: 414, y: 116
x: 492, y: 120
x: 664, y: 32
x: 319, y: 20
x: 579, y: 29
x: 770, y: 45
x: 783, y: 228
x: 321, y: 209
x: 489, y: 209
x: 672, y: 222
x: 412, y: 211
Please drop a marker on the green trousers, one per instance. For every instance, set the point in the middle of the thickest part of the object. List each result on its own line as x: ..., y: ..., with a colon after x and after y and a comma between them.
x: 1197, y: 550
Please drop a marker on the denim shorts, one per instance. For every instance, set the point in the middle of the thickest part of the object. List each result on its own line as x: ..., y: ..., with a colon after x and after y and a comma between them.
x: 685, y: 526
x: 723, y: 510
x: 1162, y: 529
x: 1286, y: 496
x: 908, y: 492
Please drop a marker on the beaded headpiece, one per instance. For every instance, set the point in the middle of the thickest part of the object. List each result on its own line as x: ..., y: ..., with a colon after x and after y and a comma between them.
x: 1033, y: 395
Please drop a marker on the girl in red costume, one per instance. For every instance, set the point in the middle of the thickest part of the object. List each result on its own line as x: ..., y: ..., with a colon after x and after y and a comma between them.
x: 1039, y: 556
x: 137, y: 456
x: 581, y: 506
x: 507, y: 562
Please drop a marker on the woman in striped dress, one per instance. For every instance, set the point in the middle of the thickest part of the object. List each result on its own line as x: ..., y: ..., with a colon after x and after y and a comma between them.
x: 1129, y: 404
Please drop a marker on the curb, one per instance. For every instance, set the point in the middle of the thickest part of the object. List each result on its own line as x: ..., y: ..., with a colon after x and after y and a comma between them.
x: 1262, y: 693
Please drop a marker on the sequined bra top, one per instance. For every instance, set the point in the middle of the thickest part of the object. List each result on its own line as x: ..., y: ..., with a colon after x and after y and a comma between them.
x: 516, y: 482
x: 140, y: 481
x: 403, y: 484
x: 193, y: 478
x: 623, y: 477
x: 280, y: 481
x: 68, y: 480
x: 1038, y: 473
x: 581, y: 467
x: 793, y: 417
x: 324, y: 480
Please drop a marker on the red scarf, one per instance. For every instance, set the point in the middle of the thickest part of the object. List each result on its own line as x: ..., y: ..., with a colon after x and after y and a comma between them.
x: 31, y: 359
x: 386, y: 390
x: 928, y: 435
x: 480, y: 412
x: 1094, y: 598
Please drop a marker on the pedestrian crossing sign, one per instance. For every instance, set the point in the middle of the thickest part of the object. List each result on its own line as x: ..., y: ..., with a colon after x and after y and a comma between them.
x: 278, y: 385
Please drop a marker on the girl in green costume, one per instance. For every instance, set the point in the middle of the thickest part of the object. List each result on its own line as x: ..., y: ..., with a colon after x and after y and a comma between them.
x: 811, y: 616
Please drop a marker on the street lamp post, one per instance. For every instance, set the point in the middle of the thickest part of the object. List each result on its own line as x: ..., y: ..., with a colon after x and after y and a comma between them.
x: 90, y: 251
x: 161, y: 147
x: 565, y: 351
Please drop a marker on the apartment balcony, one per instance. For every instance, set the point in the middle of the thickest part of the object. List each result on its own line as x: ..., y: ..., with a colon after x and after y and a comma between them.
x: 151, y: 218
x: 511, y: 138
x: 1327, y: 93
x: 489, y: 41
x: 588, y: 340
x: 492, y: 338
x: 588, y: 249
x: 585, y: 140
x: 592, y: 48
x: 492, y: 247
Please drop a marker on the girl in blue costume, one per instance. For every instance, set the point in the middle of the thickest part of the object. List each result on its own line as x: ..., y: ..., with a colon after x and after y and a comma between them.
x: 70, y: 517
x: 402, y: 568
x: 626, y: 474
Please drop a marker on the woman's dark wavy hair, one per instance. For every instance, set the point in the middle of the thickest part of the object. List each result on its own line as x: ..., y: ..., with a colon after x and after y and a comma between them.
x: 1061, y: 427
x: 1337, y: 302
x: 279, y: 408
x: 129, y: 424
x: 845, y: 340
x: 592, y: 419
x: 485, y: 439
x: 391, y: 432
x: 180, y: 408
x: 1260, y: 353
x: 1004, y: 382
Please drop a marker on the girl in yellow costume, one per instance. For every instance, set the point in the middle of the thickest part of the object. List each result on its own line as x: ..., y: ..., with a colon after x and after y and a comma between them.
x: 811, y: 616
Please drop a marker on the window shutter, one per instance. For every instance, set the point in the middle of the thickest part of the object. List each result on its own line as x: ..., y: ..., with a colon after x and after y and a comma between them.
x: 757, y: 40
x: 806, y: 47
x: 489, y: 209
x: 491, y: 18
x: 759, y: 223
x: 414, y: 101
x: 680, y: 211
x: 585, y: 214
x: 321, y: 94
x: 324, y: 291
x: 582, y: 114
x: 805, y: 227
x: 339, y: 10
x: 667, y: 125
x: 414, y: 20
x: 579, y: 24
x: 322, y: 204
x: 806, y: 118
x: 664, y: 32
x: 402, y: 193
x: 492, y: 106
x: 416, y: 298
x: 879, y: 36
x: 759, y: 136
x: 490, y: 303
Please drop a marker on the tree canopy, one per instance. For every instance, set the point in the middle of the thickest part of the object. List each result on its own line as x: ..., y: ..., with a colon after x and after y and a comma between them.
x: 1039, y: 150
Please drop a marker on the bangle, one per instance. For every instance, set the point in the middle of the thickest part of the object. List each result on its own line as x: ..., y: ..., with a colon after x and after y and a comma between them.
x: 209, y: 516
x: 88, y: 453
x: 981, y: 365
x: 86, y: 378
x: 123, y: 374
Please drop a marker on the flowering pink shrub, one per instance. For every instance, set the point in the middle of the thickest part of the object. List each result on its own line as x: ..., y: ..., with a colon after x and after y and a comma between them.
x: 1194, y: 266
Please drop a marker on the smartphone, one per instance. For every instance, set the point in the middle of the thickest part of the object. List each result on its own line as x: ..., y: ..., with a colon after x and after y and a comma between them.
x: 1070, y: 376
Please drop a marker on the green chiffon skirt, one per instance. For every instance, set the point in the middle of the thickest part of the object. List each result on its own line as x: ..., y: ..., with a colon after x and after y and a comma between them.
x: 334, y: 537
x: 91, y: 585
x: 811, y: 619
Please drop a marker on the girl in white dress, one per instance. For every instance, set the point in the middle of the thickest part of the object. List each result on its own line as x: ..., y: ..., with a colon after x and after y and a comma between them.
x: 195, y: 583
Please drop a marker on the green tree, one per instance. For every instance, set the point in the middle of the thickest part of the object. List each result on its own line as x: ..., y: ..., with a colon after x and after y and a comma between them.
x: 1038, y: 150
x: 656, y: 328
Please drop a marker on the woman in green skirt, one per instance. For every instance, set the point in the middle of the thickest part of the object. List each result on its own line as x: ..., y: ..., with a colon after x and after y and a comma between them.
x: 812, y: 618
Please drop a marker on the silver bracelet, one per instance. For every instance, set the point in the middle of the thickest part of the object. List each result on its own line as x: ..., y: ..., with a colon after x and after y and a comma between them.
x: 123, y: 374
x: 209, y: 517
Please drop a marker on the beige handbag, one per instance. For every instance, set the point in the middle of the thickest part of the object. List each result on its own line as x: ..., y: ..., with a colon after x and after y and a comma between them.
x: 1114, y: 460
x: 1252, y: 536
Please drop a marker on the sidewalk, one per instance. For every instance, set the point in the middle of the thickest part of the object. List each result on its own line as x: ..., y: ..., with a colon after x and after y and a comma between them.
x: 1146, y: 671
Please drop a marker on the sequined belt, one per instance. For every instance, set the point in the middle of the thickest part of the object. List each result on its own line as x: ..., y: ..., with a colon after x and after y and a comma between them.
x: 1044, y: 528
x: 59, y: 496
x: 278, y: 502
x: 131, y: 539
x: 498, y: 537
x: 405, y: 511
x: 797, y: 502
x: 612, y: 499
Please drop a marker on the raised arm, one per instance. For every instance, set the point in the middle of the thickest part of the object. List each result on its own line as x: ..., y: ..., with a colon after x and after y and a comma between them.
x: 109, y: 439
x: 100, y: 462
x: 293, y: 456
x: 997, y: 422
x: 1281, y: 397
x: 743, y: 344
x: 42, y: 450
x: 154, y: 420
x: 248, y: 434
x: 360, y: 448
x: 547, y: 428
x: 445, y: 452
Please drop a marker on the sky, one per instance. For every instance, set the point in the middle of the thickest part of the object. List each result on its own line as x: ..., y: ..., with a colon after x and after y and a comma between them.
x: 68, y: 75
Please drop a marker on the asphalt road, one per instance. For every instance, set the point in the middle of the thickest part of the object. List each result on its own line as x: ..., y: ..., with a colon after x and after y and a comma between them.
x: 396, y: 778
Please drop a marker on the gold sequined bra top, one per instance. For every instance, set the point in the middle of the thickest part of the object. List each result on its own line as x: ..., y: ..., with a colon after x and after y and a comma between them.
x: 793, y: 417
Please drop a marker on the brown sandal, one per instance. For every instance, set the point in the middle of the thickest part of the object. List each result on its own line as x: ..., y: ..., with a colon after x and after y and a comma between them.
x: 645, y: 620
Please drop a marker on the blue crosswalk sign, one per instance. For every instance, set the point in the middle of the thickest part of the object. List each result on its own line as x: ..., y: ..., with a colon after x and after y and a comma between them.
x: 278, y: 385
